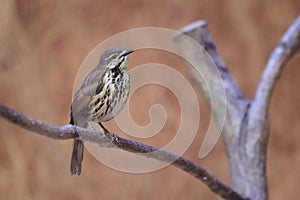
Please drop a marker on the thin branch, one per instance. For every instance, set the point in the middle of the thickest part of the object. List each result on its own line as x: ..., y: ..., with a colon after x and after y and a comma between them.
x: 258, y: 124
x: 112, y: 140
x: 37, y: 126
x: 286, y: 48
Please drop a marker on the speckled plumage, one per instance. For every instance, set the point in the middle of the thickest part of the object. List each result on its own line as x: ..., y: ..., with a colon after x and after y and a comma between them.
x: 102, y: 95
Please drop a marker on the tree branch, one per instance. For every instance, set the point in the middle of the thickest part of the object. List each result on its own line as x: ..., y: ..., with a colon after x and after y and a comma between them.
x: 216, y: 79
x: 246, y: 127
x: 286, y: 48
x: 112, y: 140
x: 55, y: 132
x: 256, y: 132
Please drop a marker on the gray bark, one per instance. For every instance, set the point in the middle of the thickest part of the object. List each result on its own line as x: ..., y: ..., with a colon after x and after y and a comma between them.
x: 246, y: 129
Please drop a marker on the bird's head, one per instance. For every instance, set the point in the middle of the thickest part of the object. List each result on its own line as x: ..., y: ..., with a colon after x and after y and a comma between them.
x: 115, y: 59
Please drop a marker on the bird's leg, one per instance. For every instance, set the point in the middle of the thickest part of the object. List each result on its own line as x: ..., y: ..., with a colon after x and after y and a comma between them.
x: 104, y: 129
x: 90, y: 125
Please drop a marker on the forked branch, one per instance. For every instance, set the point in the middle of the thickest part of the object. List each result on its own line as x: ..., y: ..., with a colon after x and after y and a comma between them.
x: 248, y: 171
x: 246, y: 127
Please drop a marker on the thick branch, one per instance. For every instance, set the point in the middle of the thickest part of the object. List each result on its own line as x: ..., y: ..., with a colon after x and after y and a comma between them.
x: 246, y: 127
x: 112, y: 140
x: 216, y: 83
x: 234, y: 102
x: 256, y: 131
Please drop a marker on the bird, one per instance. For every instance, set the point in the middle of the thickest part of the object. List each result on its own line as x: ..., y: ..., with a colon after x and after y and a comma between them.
x: 102, y: 95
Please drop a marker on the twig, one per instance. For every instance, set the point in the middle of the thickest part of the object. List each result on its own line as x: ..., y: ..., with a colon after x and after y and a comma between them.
x: 286, y: 48
x: 112, y: 140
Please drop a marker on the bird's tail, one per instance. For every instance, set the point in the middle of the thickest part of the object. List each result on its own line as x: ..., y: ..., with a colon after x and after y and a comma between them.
x: 77, y: 157
x: 77, y: 154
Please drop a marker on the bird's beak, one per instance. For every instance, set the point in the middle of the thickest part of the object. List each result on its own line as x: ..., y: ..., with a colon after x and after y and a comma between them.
x: 127, y: 52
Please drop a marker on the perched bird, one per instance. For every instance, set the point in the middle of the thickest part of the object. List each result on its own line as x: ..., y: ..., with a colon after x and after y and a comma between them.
x: 102, y: 95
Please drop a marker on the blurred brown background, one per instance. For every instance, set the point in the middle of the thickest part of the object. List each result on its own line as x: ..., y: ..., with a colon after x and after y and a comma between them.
x: 42, y: 44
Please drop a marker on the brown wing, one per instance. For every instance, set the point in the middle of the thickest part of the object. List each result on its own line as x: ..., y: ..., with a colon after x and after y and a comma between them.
x: 80, y: 109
